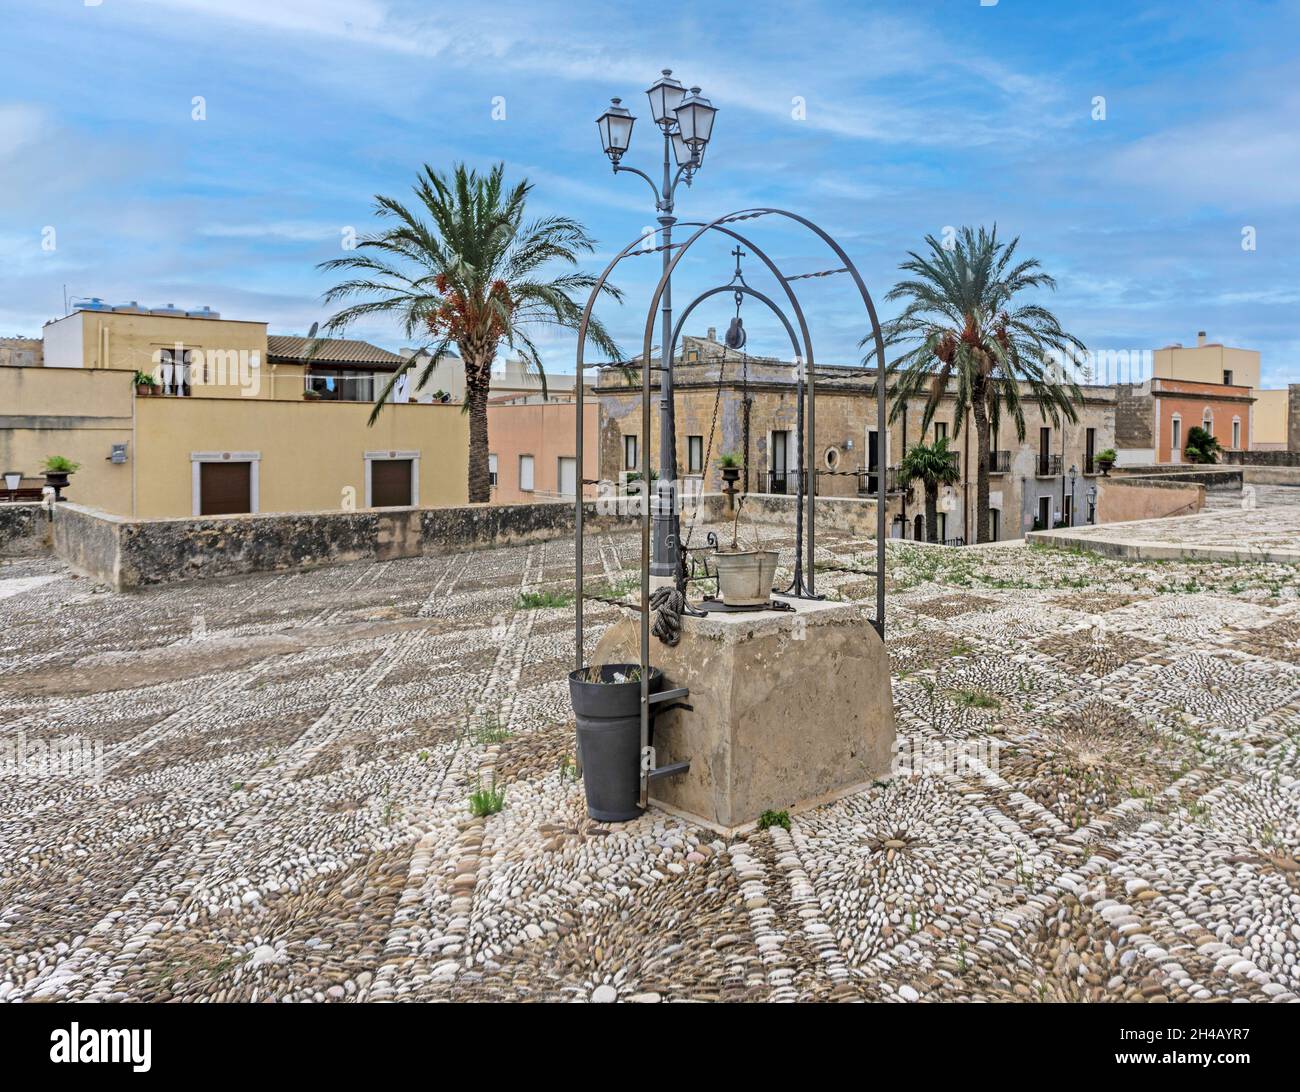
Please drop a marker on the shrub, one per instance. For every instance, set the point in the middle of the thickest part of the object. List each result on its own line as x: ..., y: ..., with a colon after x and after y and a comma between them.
x: 58, y: 464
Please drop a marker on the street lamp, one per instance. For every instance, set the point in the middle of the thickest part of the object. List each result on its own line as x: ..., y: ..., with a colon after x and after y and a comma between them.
x: 685, y: 120
x: 13, y: 478
x: 1074, y: 473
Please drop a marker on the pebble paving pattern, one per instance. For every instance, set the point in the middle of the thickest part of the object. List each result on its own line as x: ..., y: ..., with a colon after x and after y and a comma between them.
x: 286, y: 760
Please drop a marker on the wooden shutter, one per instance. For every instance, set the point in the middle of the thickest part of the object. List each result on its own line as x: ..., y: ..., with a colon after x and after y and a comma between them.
x: 225, y: 488
x: 390, y: 483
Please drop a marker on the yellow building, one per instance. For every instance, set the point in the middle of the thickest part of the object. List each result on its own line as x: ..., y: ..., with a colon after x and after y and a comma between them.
x: 233, y: 421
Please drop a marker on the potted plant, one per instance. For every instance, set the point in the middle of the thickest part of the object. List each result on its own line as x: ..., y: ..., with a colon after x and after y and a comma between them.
x: 745, y: 574
x: 144, y: 384
x: 1105, y: 460
x: 607, y: 706
x: 729, y: 464
x: 310, y: 395
x: 57, y: 468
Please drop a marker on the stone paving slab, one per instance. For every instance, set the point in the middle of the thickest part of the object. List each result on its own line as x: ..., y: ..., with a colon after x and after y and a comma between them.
x: 1269, y: 534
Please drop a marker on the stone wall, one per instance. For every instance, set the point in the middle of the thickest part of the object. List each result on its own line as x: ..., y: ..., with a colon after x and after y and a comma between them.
x: 852, y: 515
x: 133, y: 553
x: 1262, y: 458
x: 23, y: 529
x: 1212, y: 477
x: 1132, y: 416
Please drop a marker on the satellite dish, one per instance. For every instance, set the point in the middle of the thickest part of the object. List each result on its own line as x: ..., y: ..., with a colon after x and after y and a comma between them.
x: 314, y: 327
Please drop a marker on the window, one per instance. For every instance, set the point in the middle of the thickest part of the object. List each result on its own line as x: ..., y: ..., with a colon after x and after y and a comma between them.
x: 567, y: 474
x: 1176, y: 439
x: 694, y: 454
x: 941, y: 527
x: 1236, y: 433
x: 995, y: 529
x: 940, y: 431
x: 629, y: 452
x: 525, y: 473
x: 492, y: 469
x: 174, y: 371
x: 832, y: 457
x: 1089, y: 450
x: 1227, y: 377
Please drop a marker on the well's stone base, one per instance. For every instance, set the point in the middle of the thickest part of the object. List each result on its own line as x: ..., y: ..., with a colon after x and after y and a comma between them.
x: 789, y: 708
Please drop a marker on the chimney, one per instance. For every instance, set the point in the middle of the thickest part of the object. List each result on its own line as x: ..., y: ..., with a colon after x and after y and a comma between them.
x: 713, y: 333
x: 1200, y: 337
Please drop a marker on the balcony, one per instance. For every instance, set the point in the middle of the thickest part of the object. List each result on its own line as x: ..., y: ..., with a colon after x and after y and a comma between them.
x: 1047, y: 466
x: 999, y: 462
x: 352, y: 387
x: 782, y: 481
x: 869, y: 481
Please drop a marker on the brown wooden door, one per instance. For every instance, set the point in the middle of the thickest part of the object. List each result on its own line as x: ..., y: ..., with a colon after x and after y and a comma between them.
x: 390, y: 483
x: 225, y: 488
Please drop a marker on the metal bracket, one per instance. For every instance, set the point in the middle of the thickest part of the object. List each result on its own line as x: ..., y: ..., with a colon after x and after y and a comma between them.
x: 669, y: 695
x: 671, y: 770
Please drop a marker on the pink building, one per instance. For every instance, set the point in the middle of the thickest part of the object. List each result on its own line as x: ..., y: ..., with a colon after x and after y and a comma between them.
x: 532, y: 449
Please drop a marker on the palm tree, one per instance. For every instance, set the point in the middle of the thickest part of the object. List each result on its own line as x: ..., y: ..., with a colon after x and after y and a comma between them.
x: 1202, y: 445
x: 960, y: 324
x: 932, y: 465
x: 463, y: 269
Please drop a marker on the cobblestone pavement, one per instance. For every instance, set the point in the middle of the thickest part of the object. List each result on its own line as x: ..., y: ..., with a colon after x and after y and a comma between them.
x: 286, y: 762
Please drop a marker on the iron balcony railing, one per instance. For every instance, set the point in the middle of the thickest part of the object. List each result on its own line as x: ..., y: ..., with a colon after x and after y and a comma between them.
x: 1049, y: 466
x: 783, y: 481
x: 869, y: 481
x: 999, y: 462
x: 353, y: 387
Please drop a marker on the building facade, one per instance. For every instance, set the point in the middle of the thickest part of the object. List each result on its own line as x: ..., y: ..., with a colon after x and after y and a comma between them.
x: 748, y: 407
x: 233, y: 421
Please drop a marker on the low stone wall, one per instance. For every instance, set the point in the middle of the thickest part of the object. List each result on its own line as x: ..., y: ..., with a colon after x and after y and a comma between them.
x: 1272, y: 475
x: 24, y: 530
x: 1121, y: 500
x: 1212, y: 477
x: 853, y: 515
x: 1263, y: 458
x: 132, y: 553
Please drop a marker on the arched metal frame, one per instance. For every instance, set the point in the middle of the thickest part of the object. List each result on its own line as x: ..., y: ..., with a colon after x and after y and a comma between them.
x: 808, y: 443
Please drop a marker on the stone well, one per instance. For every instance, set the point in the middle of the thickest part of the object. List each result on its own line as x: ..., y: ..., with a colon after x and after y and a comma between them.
x: 790, y: 709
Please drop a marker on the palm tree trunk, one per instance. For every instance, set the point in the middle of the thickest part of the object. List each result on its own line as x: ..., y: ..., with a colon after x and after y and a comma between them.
x: 478, y: 380
x: 931, y: 512
x: 981, y: 414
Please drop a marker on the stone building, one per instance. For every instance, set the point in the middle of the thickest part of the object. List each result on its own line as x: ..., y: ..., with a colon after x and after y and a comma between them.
x: 747, y: 405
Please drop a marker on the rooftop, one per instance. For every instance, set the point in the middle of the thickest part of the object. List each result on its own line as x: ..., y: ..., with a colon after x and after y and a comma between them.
x: 344, y: 352
x: 286, y: 761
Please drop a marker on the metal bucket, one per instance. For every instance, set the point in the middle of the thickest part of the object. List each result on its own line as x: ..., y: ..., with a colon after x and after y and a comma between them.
x: 609, y: 738
x: 745, y: 577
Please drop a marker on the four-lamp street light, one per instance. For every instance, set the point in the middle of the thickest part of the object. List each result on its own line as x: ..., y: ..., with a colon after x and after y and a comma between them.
x: 685, y: 119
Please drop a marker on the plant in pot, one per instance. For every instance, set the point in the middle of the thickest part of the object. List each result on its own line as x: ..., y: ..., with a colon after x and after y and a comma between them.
x: 310, y: 395
x: 145, y: 384
x: 1106, y: 460
x: 607, y: 706
x: 1202, y: 446
x: 745, y: 572
x: 57, y: 468
x: 729, y: 464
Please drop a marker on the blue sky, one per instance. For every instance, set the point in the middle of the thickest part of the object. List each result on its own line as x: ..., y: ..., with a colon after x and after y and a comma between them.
x: 919, y: 115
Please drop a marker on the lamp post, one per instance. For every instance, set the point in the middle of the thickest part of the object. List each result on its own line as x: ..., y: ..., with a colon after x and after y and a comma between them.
x: 1074, y: 473
x: 685, y: 121
x: 13, y: 478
